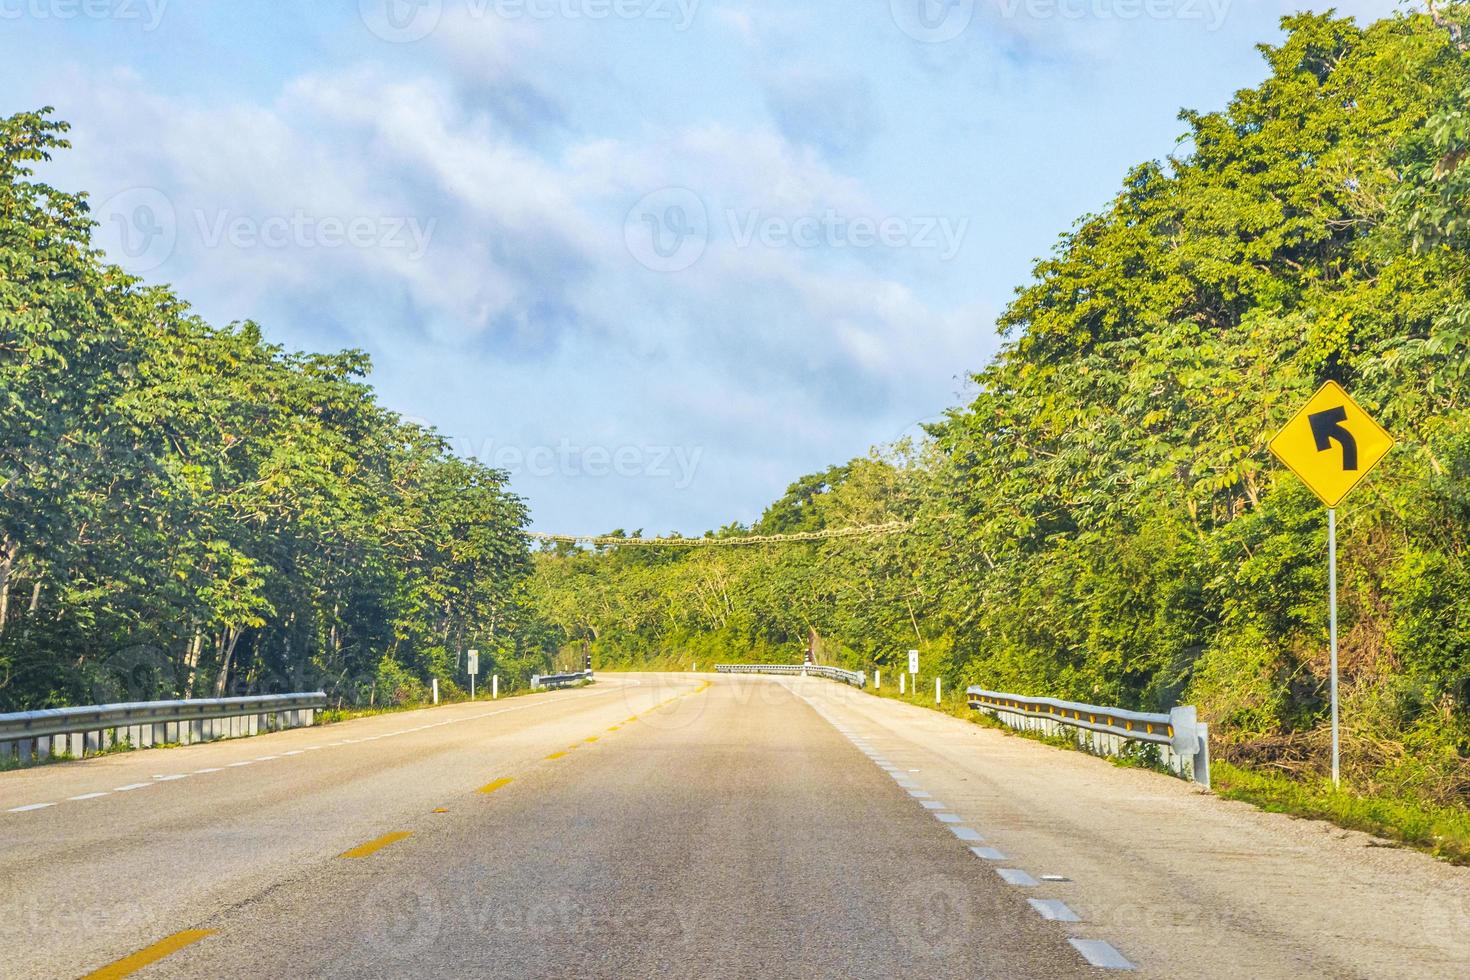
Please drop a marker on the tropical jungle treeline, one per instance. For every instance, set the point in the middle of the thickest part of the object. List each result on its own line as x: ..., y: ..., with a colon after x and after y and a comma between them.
x: 1103, y: 520
x: 187, y: 510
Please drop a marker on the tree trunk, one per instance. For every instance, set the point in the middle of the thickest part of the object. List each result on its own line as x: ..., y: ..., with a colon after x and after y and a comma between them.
x: 7, y: 562
x: 228, y: 639
x: 191, y: 661
x: 1456, y: 33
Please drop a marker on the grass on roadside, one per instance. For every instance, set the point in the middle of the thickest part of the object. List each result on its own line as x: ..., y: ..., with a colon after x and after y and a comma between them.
x: 1443, y: 831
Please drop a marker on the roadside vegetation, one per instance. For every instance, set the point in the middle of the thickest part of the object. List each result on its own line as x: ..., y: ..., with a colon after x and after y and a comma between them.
x: 188, y: 510
x: 1102, y: 521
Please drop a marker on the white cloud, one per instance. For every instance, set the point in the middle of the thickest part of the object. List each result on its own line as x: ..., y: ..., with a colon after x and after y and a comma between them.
x: 527, y: 313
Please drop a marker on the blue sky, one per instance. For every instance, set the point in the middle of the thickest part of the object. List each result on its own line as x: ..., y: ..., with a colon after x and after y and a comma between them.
x: 658, y: 258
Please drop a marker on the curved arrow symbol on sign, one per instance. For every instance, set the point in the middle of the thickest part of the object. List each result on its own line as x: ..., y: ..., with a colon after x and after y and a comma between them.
x: 1327, y: 426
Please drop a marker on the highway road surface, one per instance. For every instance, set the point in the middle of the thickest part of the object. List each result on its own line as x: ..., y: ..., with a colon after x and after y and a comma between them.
x: 685, y: 825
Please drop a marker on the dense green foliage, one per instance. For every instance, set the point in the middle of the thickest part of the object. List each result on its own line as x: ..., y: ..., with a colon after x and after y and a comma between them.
x: 188, y: 510
x: 1103, y: 520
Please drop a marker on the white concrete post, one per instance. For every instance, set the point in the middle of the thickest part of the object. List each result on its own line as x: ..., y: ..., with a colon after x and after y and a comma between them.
x: 494, y: 686
x: 436, y: 690
x: 877, y: 679
x: 900, y: 683
x: 936, y: 691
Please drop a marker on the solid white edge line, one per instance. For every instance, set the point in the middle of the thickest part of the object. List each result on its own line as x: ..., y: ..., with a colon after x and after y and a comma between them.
x: 29, y: 807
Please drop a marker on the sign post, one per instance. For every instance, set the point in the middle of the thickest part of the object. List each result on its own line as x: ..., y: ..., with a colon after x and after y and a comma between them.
x: 473, y: 666
x: 1331, y: 444
x: 914, y: 670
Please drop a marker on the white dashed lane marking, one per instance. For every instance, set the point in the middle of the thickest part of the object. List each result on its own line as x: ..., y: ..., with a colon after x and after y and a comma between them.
x: 164, y: 778
x: 1053, y: 910
x: 1015, y: 876
x: 1097, y: 952
x: 1100, y: 954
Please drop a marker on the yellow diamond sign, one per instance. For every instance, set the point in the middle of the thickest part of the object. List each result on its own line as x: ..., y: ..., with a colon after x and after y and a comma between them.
x: 1331, y: 443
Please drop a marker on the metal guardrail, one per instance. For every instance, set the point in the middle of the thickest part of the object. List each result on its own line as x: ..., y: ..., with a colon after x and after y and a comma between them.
x: 552, y: 681
x: 38, y: 735
x: 854, y: 677
x: 1183, y: 739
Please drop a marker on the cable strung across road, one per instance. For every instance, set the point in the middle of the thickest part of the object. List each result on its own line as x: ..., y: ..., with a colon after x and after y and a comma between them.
x: 866, y: 530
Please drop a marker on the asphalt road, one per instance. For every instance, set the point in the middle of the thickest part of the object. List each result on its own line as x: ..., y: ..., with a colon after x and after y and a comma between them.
x: 686, y: 826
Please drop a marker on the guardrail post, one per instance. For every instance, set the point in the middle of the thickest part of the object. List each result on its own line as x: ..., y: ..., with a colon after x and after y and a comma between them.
x: 1201, y: 766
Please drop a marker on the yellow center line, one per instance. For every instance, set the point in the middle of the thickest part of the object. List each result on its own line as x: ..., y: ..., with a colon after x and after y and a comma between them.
x: 613, y: 728
x: 591, y: 738
x: 498, y: 784
x: 129, y: 965
x: 441, y: 809
x: 372, y: 846
x: 556, y: 755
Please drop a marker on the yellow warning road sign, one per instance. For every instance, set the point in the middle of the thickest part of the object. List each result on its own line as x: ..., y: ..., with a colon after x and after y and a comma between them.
x: 1331, y: 443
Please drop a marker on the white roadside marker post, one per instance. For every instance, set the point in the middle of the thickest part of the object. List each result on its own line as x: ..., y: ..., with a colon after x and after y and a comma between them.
x: 900, y: 683
x: 494, y: 687
x: 436, y: 690
x: 877, y: 679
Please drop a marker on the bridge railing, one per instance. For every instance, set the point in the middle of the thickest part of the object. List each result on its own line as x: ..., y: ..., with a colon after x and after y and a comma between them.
x: 34, y: 736
x: 854, y: 677
x: 1183, y: 740
x: 552, y: 681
